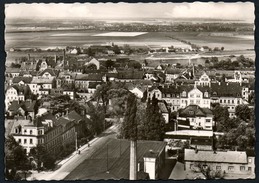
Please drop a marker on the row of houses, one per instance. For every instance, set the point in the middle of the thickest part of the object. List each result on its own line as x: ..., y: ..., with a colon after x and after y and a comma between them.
x: 52, y: 132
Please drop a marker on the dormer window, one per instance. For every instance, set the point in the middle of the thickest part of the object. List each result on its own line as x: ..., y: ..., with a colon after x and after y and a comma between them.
x: 191, y: 112
x: 206, y: 94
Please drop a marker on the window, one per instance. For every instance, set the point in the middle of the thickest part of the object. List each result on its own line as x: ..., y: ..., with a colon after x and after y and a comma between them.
x: 198, y: 96
x: 218, y: 167
x: 191, y: 102
x: 191, y: 166
x: 242, y: 168
x: 19, y: 140
x: 249, y: 169
x: 30, y: 132
x: 184, y: 94
x: 192, y: 95
x: 206, y: 94
x: 228, y: 101
x: 230, y: 168
x: 224, y: 101
x: 197, y: 101
x: 30, y: 141
x: 207, y: 120
x: 25, y: 141
x: 249, y: 160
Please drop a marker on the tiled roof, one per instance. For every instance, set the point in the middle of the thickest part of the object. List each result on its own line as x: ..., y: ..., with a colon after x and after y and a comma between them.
x: 51, y: 71
x: 130, y: 75
x: 162, y: 107
x: 201, y: 141
x: 62, y: 121
x: 12, y: 70
x: 93, y: 85
x: 26, y: 80
x: 193, y: 111
x: 173, y: 71
x: 14, y: 106
x: 73, y: 115
x: 217, y: 157
x: 28, y: 106
x: 227, y: 89
x: 40, y: 80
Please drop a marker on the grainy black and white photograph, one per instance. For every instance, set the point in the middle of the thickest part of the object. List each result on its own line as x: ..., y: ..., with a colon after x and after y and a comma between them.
x: 137, y: 91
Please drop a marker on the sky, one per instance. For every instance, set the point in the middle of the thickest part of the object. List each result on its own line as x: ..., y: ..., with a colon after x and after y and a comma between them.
x: 230, y: 11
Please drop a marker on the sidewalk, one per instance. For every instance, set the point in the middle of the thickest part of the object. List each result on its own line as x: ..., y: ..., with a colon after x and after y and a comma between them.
x: 74, y: 159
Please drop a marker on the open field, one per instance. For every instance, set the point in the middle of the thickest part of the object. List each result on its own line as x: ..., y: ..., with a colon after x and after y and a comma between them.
x: 85, y: 37
x: 121, y: 34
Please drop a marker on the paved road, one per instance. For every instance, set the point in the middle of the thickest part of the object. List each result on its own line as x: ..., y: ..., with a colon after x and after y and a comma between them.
x: 178, y: 172
x: 77, y: 159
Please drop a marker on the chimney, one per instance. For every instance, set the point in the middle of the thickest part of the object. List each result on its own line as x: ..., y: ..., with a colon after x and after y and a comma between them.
x: 133, y: 160
x: 55, y: 58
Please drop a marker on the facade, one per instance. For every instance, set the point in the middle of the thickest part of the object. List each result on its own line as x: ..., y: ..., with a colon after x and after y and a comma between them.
x: 229, y: 162
x: 27, y: 133
x: 196, y: 117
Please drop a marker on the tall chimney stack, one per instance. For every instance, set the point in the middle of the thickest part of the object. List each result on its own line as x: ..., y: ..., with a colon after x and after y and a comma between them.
x: 133, y: 160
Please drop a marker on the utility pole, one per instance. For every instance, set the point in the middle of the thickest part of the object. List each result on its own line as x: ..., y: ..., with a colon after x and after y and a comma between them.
x: 107, y: 163
x: 76, y: 140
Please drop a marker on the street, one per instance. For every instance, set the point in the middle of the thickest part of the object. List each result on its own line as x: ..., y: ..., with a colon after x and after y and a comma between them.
x: 76, y: 159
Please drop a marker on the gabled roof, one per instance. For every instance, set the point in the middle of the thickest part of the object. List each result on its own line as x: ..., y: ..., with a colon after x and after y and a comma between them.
x: 217, y: 157
x: 14, y: 106
x: 73, y: 115
x: 51, y: 71
x: 28, y: 106
x: 193, y: 111
x: 163, y: 107
x: 62, y: 121
x: 130, y: 74
x: 26, y: 80
x: 173, y: 71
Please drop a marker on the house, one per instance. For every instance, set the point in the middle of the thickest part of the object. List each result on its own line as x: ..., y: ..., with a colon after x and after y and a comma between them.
x: 235, y: 163
x: 21, y: 80
x: 164, y: 111
x: 172, y: 74
x: 12, y: 72
x: 26, y: 133
x: 29, y: 66
x: 16, y: 92
x: 197, y: 117
x: 196, y: 96
x: 204, y: 80
x: 201, y: 143
x: 82, y: 81
x: 69, y: 92
x: 68, y: 130
x: 93, y: 62
x: 227, y: 94
x: 138, y: 91
x: 49, y: 72
x: 24, y: 108
x: 42, y: 85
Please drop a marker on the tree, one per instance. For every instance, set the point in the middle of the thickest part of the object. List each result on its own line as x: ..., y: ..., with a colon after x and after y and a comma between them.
x: 155, y: 123
x: 243, y: 112
x: 97, y: 119
x: 38, y: 153
x: 220, y: 114
x: 129, y: 125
